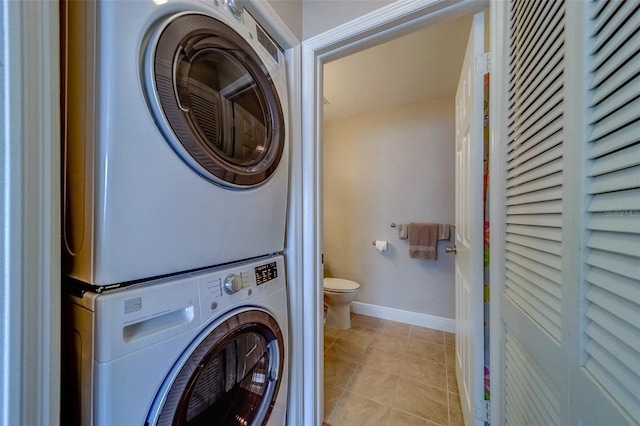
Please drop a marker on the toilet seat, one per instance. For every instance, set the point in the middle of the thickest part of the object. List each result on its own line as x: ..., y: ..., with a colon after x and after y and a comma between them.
x: 339, y: 285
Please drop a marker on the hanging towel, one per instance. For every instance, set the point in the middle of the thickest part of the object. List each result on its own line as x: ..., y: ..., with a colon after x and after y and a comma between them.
x: 423, y: 241
x: 402, y: 231
x: 444, y: 232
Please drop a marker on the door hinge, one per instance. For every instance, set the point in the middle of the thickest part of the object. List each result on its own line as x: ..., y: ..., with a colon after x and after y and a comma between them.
x: 483, y: 411
x: 482, y: 63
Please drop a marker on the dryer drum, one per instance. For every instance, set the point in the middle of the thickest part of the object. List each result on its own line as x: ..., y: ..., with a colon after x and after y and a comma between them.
x: 218, y: 99
x: 232, y: 377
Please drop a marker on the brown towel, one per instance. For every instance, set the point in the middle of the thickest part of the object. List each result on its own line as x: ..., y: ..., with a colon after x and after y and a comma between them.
x: 444, y: 232
x: 423, y: 241
x: 402, y: 231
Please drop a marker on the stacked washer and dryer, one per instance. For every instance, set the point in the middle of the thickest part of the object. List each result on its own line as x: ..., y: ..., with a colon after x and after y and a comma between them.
x: 176, y: 183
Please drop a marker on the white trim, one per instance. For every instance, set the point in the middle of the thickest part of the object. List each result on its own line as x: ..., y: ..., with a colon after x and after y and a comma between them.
x: 394, y: 20
x: 497, y: 188
x: 30, y: 218
x: 406, y: 317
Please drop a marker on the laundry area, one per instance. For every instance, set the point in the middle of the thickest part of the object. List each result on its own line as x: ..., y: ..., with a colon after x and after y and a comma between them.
x: 187, y: 238
x: 176, y: 159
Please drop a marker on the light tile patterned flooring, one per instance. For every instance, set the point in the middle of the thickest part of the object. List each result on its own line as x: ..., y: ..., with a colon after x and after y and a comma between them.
x: 382, y: 372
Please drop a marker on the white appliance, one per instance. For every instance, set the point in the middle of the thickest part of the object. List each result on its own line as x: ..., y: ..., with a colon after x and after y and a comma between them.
x: 176, y: 153
x: 208, y: 347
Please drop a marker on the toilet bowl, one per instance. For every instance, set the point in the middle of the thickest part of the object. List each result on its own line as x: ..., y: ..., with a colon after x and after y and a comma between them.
x: 338, y: 295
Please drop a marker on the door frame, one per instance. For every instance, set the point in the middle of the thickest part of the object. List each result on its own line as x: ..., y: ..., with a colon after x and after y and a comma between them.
x: 384, y: 24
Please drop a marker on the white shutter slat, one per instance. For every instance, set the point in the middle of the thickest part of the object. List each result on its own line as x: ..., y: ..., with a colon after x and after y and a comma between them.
x: 536, y: 310
x: 616, y: 343
x: 548, y: 273
x: 611, y: 63
x: 535, y: 124
x: 538, y: 256
x: 554, y: 193
x: 613, y: 141
x: 598, y: 8
x: 603, y: 374
x: 529, y: 384
x: 545, y: 233
x: 600, y: 349
x: 544, y: 168
x: 602, y: 14
x: 547, y: 220
x: 554, y: 206
x: 625, y: 77
x: 614, y: 283
x: 543, y: 153
x: 623, y: 159
x: 530, y: 399
x: 617, y: 307
x: 608, y: 38
x: 546, y: 246
x: 627, y: 92
x: 611, y: 221
x: 619, y: 243
x: 536, y: 185
x: 532, y: 273
x: 526, y: 40
x: 626, y: 115
x: 626, y: 266
x: 546, y: 82
x: 615, y: 181
x: 615, y: 201
x: 550, y: 305
x: 548, y: 403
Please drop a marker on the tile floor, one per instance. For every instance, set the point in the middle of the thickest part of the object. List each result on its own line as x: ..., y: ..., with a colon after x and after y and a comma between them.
x: 382, y: 372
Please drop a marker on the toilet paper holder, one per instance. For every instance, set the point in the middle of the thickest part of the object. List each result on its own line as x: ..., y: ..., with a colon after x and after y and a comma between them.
x: 380, y: 245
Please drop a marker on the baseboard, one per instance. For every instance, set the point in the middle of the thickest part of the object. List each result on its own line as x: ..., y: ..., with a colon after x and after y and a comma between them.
x: 407, y: 317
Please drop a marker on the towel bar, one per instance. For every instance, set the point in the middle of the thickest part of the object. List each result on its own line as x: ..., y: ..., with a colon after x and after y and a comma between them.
x: 393, y: 225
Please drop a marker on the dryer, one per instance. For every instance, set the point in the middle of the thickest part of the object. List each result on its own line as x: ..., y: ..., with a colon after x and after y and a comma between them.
x: 176, y: 130
x: 200, y: 348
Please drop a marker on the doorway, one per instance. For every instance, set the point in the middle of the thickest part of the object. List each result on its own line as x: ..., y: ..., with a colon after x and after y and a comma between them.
x: 358, y: 96
x: 397, y: 19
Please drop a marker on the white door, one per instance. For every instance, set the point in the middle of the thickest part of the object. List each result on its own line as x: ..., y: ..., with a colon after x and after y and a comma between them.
x: 470, y: 225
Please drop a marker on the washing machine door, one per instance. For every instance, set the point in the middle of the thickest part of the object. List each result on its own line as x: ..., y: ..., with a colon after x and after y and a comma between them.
x: 229, y: 376
x: 214, y: 100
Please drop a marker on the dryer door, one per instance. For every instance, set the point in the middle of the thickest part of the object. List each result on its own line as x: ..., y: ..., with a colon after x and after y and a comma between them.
x: 214, y: 100
x: 230, y: 376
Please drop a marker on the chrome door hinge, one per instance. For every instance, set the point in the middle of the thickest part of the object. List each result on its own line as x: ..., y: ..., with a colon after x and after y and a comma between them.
x: 482, y: 63
x: 483, y: 411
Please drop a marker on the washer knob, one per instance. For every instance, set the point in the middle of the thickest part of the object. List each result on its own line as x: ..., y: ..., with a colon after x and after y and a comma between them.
x: 232, y: 284
x: 236, y: 7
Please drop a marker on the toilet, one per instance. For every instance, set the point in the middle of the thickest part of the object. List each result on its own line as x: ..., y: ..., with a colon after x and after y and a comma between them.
x: 338, y: 295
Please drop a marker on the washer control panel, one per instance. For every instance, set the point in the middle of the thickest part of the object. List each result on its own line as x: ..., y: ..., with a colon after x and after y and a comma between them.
x: 235, y: 286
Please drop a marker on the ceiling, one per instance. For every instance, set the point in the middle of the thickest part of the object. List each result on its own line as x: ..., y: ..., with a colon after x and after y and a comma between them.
x: 422, y: 65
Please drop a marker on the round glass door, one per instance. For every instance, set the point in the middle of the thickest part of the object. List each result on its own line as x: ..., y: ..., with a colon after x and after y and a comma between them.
x: 218, y: 101
x: 231, y: 377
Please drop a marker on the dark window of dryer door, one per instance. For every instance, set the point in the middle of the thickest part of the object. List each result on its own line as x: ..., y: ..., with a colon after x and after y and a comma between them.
x: 232, y: 377
x: 219, y: 99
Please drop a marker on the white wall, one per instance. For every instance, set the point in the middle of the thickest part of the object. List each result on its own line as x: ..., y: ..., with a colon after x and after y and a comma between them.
x: 319, y: 16
x: 390, y: 166
x: 290, y: 11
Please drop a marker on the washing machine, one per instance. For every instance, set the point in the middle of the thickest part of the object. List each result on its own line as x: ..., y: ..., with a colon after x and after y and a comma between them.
x: 176, y: 138
x: 200, y: 348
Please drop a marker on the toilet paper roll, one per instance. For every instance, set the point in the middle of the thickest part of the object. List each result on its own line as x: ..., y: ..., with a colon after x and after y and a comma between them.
x: 381, y: 246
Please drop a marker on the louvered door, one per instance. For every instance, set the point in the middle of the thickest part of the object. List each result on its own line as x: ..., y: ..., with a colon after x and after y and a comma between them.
x: 569, y: 330
x: 610, y: 327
